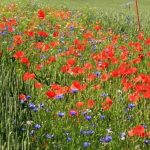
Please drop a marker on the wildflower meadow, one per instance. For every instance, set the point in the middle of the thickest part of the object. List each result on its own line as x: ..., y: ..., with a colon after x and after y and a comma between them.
x: 74, y: 76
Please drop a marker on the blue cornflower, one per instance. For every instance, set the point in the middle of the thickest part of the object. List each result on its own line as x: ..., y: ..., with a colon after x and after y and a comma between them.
x: 88, y: 118
x: 35, y: 109
x: 147, y: 142
x: 32, y: 105
x: 102, y: 117
x: 86, y: 144
x: 97, y: 73
x: 61, y: 96
x: 86, y: 132
x: 106, y: 139
x: 74, y: 90
x: 69, y: 139
x: 130, y: 106
x: 73, y: 113
x: 89, y: 132
x: 28, y: 97
x: 37, y: 126
x: 61, y: 114
x: 84, y: 113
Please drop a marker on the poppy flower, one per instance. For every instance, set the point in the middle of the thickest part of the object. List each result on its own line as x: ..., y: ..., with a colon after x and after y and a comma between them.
x: 38, y: 85
x: 139, y: 130
x: 39, y: 66
x: 18, y: 55
x: 17, y: 39
x: 106, y: 105
x: 134, y: 97
x: 71, y: 61
x: 90, y: 103
x: 55, y: 34
x: 25, y: 60
x: 79, y: 104
x: 22, y: 97
x: 28, y: 76
x: 41, y: 14
x: 50, y: 94
x: 42, y: 34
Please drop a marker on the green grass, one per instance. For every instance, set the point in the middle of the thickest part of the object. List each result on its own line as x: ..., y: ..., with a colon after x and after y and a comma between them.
x: 114, y: 5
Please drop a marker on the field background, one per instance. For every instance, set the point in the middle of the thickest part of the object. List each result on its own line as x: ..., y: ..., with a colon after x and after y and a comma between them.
x: 115, y: 5
x: 108, y: 7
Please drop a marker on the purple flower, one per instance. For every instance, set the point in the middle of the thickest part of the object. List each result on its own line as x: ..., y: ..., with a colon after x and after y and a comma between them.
x: 73, y: 113
x: 97, y: 73
x: 61, y: 114
x: 106, y: 139
x: 35, y: 109
x: 86, y: 144
x: 86, y: 132
x: 37, y: 126
x: 88, y: 118
x: 28, y: 97
x: 69, y: 139
x: 74, y: 90
x: 147, y: 142
x: 130, y: 106
x: 61, y: 96
x: 32, y: 105
x: 102, y: 117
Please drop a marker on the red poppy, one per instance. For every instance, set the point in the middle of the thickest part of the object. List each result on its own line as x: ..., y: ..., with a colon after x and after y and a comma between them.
x: 55, y: 34
x: 91, y: 77
x: 137, y: 131
x: 88, y: 66
x: 134, y: 97
x: 25, y: 60
x: 106, y: 105
x: 28, y: 76
x: 90, y: 103
x: 71, y: 61
x: 39, y: 66
x: 50, y: 94
x: 56, y: 87
x: 38, y: 85
x: 41, y: 14
x: 18, y: 39
x: 18, y: 55
x: 22, y: 97
x: 51, y: 59
x: 79, y: 104
x: 42, y: 34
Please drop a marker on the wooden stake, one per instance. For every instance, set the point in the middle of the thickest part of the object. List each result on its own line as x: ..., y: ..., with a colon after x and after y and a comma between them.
x: 137, y: 14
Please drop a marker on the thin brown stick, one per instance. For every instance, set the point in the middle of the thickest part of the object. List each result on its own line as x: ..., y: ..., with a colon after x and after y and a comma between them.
x: 137, y: 14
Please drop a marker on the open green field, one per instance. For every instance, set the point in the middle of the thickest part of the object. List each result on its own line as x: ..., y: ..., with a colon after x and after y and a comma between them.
x: 74, y: 75
x: 115, y: 5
